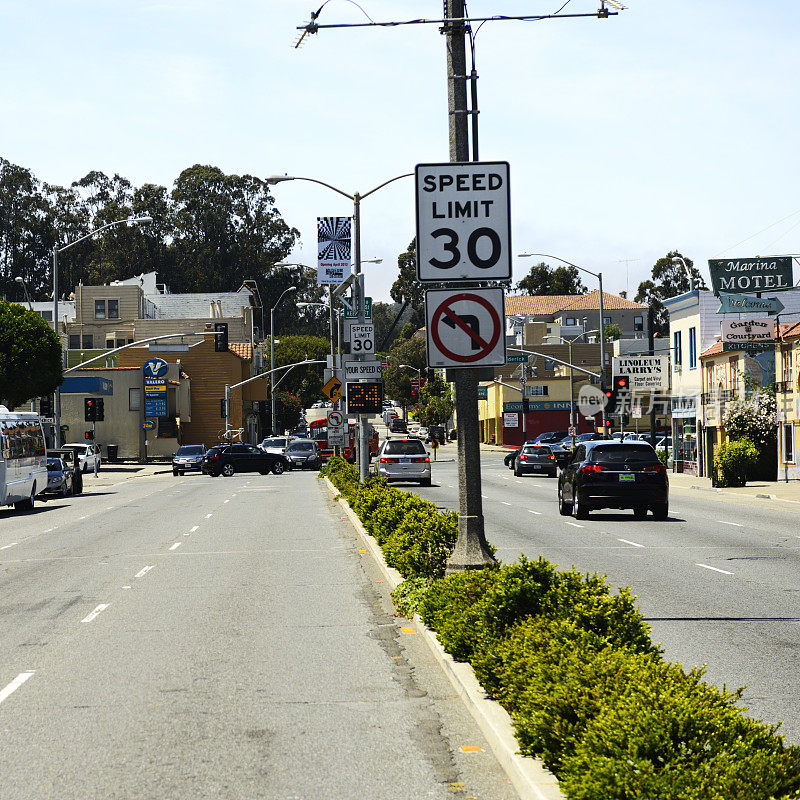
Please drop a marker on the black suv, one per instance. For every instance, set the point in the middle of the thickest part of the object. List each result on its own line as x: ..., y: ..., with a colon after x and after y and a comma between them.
x: 228, y: 459
x: 607, y: 474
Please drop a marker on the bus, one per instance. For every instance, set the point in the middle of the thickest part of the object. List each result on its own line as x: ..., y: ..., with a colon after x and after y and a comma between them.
x: 318, y: 431
x: 23, y: 459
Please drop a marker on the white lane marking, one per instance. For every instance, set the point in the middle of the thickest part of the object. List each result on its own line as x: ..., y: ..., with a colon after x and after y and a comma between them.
x: 530, y: 511
x: 517, y: 481
x: 450, y: 485
x: 706, y: 566
x: 724, y: 522
x: 628, y: 541
x: 102, y: 607
x: 486, y: 497
x: 109, y: 508
x: 176, y: 545
x: 504, y: 503
x: 193, y: 529
x: 226, y: 501
x: 208, y: 516
x: 84, y: 517
x: 15, y: 684
x: 6, y: 546
x: 47, y: 530
x: 574, y: 524
x: 126, y: 587
x: 142, y: 572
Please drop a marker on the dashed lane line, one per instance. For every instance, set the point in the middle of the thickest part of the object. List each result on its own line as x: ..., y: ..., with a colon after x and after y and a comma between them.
x: 6, y: 546
x: 176, y: 545
x: 725, y: 522
x: 142, y: 572
x: 531, y: 511
x: 15, y: 684
x: 504, y: 503
x: 633, y: 544
x: 574, y: 524
x: 706, y: 566
x: 99, y: 610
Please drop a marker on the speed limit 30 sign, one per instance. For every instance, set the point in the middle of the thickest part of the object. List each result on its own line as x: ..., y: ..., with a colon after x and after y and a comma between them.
x: 463, y: 221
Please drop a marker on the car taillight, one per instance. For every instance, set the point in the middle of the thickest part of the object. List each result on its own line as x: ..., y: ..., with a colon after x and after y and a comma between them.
x: 590, y: 468
x: 523, y: 458
x: 213, y: 457
x: 420, y: 460
x: 552, y: 458
x: 659, y: 468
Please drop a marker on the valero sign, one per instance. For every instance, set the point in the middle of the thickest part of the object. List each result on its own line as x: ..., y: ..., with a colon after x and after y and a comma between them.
x: 737, y: 275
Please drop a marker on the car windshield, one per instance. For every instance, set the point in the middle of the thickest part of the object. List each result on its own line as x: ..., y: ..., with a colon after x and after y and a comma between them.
x: 191, y: 450
x: 404, y: 447
x: 274, y: 443
x: 536, y: 450
x: 623, y: 454
x: 301, y: 446
x: 54, y: 463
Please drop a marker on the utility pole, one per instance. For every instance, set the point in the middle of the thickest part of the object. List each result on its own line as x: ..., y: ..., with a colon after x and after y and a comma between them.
x: 471, y: 550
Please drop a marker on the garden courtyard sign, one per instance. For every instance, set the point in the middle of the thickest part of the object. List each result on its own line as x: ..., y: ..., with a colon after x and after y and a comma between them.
x: 736, y: 275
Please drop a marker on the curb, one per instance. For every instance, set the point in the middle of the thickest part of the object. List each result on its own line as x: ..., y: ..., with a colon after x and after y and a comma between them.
x: 528, y: 775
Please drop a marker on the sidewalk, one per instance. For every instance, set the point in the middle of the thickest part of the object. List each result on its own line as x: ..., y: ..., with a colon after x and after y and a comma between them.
x: 111, y: 474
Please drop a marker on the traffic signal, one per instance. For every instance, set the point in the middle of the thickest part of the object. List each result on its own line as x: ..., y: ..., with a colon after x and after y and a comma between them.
x: 46, y: 406
x: 223, y: 408
x: 88, y: 435
x: 526, y: 405
x: 89, y: 409
x: 221, y: 339
x: 99, y: 411
x: 611, y: 398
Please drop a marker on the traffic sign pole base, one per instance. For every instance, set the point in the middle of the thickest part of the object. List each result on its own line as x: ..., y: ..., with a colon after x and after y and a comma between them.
x: 471, y: 550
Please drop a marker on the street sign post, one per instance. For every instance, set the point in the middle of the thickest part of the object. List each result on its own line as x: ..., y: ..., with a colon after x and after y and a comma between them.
x: 465, y: 328
x: 335, y: 429
x: 351, y: 310
x: 517, y: 358
x: 463, y: 221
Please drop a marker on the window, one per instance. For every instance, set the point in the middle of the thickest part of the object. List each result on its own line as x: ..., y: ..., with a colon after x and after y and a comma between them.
x: 88, y: 341
x: 404, y: 447
x: 606, y: 320
x: 109, y: 344
x: 787, y: 365
x: 47, y: 316
x: 734, y: 368
x: 120, y: 343
x: 74, y: 341
x: 99, y: 309
x: 572, y: 321
x: 692, y: 348
x: 134, y: 399
x: 678, y: 354
x: 638, y: 323
x: 788, y: 442
x: 113, y: 309
x: 538, y: 391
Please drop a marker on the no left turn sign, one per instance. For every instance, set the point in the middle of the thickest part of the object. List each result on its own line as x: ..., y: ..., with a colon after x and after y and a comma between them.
x: 335, y: 419
x: 465, y: 328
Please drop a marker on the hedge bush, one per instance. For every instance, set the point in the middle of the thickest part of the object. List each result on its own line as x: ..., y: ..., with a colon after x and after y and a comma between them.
x: 574, y: 665
x: 735, y: 462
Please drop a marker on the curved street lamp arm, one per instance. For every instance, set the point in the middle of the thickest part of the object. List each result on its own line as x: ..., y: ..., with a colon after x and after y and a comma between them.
x: 97, y: 230
x: 321, y: 183
x: 558, y: 258
x: 391, y: 180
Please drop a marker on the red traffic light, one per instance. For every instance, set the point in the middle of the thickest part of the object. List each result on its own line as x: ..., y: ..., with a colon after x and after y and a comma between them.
x: 622, y: 383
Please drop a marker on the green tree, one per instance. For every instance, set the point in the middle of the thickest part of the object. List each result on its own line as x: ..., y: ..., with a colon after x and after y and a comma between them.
x: 304, y: 382
x: 436, y: 402
x: 407, y: 288
x: 544, y: 279
x: 397, y: 381
x: 612, y: 331
x: 668, y: 279
x: 31, y: 362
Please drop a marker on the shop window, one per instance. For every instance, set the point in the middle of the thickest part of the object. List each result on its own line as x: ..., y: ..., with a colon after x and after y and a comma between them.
x: 788, y: 442
x: 113, y: 309
x: 88, y: 341
x: 99, y: 309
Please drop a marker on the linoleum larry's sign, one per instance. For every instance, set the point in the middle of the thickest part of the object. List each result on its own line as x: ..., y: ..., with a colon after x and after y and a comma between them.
x: 646, y: 372
x: 751, y: 274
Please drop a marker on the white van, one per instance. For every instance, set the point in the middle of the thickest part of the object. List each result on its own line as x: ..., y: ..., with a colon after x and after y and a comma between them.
x: 23, y: 459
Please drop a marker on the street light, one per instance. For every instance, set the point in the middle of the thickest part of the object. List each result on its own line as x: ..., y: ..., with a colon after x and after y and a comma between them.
x: 679, y: 260
x: 599, y: 276
x: 571, y: 387
x: 272, y: 355
x: 356, y: 197
x: 56, y: 251
x: 18, y: 279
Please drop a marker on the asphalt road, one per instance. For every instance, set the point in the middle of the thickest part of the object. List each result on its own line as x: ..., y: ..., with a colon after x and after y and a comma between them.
x: 719, y: 581
x: 217, y: 638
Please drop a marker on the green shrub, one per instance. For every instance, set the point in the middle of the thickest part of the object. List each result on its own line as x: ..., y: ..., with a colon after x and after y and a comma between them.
x: 662, y: 456
x: 408, y: 595
x: 422, y: 541
x: 735, y: 461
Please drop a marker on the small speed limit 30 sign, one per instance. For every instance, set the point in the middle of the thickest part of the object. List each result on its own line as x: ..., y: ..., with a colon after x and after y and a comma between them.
x: 463, y: 221
x: 465, y: 328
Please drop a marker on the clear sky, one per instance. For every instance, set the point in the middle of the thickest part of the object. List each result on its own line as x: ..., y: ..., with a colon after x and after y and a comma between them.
x: 671, y: 126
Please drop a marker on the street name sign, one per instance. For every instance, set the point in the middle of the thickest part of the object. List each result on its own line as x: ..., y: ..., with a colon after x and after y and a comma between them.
x: 359, y: 370
x: 737, y: 275
x: 463, y: 221
x: 746, y: 304
x: 645, y: 372
x: 351, y: 308
x: 465, y: 328
x: 362, y: 338
x: 517, y: 358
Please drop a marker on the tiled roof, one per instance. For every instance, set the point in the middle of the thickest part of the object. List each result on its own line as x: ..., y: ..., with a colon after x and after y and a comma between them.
x: 552, y: 304
x: 712, y: 351
x: 241, y: 349
x: 790, y: 331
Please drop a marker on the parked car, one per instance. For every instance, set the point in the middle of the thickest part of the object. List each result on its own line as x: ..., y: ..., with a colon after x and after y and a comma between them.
x: 88, y: 455
x: 404, y: 460
x: 562, y: 454
x: 605, y: 474
x: 550, y: 437
x: 188, y: 458
x: 59, y: 477
x: 228, y: 459
x: 536, y: 458
x: 397, y: 425
x: 422, y: 433
x: 70, y: 458
x: 277, y: 444
x: 303, y: 454
x: 566, y: 442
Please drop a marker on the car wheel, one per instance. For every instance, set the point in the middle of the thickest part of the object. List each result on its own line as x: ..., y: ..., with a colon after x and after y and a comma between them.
x: 517, y: 472
x: 564, y: 508
x: 24, y: 505
x: 228, y: 470
x: 661, y: 511
x: 174, y: 472
x: 425, y: 482
x: 640, y: 512
x: 581, y: 509
x: 181, y: 472
x: 64, y: 489
x: 213, y: 474
x: 278, y: 468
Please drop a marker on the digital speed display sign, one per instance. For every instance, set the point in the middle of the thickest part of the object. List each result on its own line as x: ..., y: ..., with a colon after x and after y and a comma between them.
x: 364, y: 398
